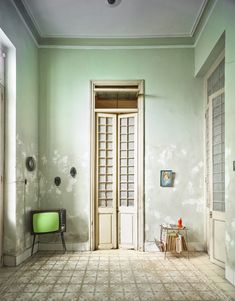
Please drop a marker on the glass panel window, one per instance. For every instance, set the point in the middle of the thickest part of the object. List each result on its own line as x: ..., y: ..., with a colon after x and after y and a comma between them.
x: 218, y: 153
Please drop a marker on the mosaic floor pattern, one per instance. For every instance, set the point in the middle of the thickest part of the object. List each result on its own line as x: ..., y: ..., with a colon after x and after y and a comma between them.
x: 115, y: 275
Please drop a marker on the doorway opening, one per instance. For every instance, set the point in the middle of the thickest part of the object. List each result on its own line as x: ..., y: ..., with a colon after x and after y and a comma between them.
x: 215, y: 162
x: 117, y: 152
x: 2, y: 83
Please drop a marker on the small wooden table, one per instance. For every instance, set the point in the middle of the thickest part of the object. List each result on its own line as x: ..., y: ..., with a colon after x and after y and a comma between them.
x: 173, y: 228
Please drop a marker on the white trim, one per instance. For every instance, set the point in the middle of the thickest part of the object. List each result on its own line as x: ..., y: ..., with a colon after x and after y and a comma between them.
x: 30, y: 14
x: 198, y: 18
x: 10, y: 139
x: 190, y: 35
x: 25, y: 24
x: 116, y: 110
x: 213, y: 67
x: 204, y: 25
x: 12, y: 261
x: 143, y: 36
x: 208, y: 174
x: 140, y: 197
x: 116, y: 90
x: 230, y: 274
x: 115, y: 47
x: 2, y: 155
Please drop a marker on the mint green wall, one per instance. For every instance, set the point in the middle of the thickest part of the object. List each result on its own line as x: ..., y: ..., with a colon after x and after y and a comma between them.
x: 222, y: 19
x: 173, y: 133
x: 25, y: 135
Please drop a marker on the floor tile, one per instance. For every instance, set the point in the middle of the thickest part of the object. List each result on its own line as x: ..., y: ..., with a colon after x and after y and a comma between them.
x: 115, y: 275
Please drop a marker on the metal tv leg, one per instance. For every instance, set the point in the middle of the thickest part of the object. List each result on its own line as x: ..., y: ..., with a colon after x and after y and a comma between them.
x: 33, y: 244
x: 63, y: 241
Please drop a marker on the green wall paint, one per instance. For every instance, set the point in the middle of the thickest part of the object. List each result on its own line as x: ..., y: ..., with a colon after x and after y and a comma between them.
x: 173, y: 128
x: 16, y: 229
x: 222, y: 19
x: 173, y: 133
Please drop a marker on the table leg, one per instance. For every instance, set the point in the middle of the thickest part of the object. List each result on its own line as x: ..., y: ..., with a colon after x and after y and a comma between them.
x: 186, y: 236
x: 166, y: 243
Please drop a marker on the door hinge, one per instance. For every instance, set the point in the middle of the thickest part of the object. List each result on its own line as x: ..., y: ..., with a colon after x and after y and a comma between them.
x: 211, y: 214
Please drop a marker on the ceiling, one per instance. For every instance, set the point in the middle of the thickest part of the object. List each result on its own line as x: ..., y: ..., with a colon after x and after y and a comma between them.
x: 131, y: 18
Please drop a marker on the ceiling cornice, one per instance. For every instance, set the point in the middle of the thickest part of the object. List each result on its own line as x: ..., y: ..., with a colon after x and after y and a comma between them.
x: 203, y: 18
x: 27, y: 19
x: 134, y: 42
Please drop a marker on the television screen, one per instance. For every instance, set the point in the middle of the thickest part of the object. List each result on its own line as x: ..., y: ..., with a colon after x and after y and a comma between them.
x: 48, y: 221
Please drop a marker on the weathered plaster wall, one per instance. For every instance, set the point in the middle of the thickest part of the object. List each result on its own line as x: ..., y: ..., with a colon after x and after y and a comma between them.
x: 22, y: 118
x: 173, y: 133
x: 222, y: 19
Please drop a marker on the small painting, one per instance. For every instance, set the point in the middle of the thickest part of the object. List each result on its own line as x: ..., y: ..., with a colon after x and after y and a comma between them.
x: 166, y: 178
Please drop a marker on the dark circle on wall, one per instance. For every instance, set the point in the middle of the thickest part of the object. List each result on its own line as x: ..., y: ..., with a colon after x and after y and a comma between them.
x: 30, y: 163
x: 57, y: 181
x: 73, y: 172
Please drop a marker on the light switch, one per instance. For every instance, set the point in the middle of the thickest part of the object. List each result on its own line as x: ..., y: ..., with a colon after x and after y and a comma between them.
x: 233, y: 165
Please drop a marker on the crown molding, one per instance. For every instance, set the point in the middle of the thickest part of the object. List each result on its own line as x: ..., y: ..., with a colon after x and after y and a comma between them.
x: 116, y: 43
x: 183, y: 41
x: 208, y: 9
x: 21, y: 10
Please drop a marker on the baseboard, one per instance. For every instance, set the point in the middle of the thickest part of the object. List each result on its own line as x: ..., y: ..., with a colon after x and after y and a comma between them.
x: 150, y: 246
x: 196, y: 246
x: 14, y: 260
x: 69, y: 246
x: 230, y: 274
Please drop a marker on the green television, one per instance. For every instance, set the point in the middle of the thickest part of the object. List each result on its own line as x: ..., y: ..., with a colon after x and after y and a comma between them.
x: 48, y: 221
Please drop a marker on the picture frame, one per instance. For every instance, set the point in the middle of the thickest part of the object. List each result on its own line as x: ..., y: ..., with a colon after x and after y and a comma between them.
x: 166, y: 178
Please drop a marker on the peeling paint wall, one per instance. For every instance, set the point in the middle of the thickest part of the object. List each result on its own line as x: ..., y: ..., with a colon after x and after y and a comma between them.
x: 22, y: 117
x: 173, y: 133
x: 68, y: 195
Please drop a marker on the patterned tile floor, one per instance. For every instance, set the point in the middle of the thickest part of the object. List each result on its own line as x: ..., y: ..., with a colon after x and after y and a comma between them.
x: 115, y: 275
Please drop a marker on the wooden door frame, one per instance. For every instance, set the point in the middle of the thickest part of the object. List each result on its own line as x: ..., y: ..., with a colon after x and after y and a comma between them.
x: 140, y: 159
x: 207, y: 104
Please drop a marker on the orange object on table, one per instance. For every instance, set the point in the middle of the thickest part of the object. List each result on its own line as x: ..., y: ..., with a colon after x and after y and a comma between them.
x: 180, y: 223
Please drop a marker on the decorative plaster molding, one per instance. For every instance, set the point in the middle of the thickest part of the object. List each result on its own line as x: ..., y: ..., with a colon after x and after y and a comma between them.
x: 180, y: 41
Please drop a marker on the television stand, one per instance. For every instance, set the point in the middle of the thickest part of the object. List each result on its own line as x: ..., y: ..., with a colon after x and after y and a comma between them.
x: 62, y: 239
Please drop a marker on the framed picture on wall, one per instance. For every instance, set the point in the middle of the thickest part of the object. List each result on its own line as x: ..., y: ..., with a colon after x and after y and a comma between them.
x: 166, y: 178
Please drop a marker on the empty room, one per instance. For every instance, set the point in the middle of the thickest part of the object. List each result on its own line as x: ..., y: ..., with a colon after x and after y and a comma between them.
x: 117, y: 150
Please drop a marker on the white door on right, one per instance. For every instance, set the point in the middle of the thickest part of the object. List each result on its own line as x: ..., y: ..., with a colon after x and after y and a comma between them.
x: 217, y: 177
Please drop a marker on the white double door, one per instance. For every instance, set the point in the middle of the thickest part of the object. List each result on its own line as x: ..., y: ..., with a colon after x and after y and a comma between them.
x: 116, y: 178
